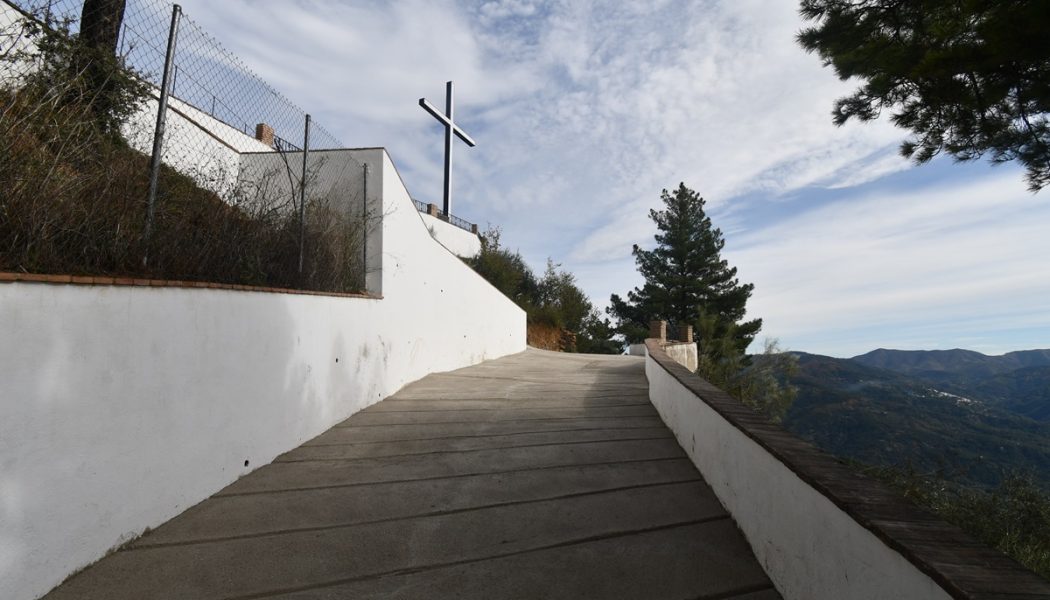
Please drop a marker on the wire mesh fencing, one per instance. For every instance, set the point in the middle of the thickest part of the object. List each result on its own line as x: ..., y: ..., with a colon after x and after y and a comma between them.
x: 157, y: 152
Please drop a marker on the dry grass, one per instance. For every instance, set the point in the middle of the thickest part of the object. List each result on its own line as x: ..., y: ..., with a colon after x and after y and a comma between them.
x: 549, y: 337
x: 73, y: 200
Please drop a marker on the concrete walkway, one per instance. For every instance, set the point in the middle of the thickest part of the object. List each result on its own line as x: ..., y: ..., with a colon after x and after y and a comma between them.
x: 539, y: 475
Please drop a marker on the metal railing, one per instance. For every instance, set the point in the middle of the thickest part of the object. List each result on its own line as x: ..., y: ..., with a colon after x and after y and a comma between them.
x: 282, y: 145
x: 463, y: 224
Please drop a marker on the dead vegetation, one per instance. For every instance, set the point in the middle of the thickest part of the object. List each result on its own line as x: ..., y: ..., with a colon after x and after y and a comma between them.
x: 73, y: 193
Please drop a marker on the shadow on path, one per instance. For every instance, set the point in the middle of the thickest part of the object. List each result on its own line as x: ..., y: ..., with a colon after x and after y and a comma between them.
x: 539, y: 475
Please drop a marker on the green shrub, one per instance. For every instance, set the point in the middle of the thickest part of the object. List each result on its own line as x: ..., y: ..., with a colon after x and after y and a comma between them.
x: 1013, y: 518
x: 554, y: 301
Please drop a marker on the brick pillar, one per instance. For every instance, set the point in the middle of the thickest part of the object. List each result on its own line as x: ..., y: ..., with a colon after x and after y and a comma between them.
x: 687, y: 334
x: 474, y: 228
x: 658, y: 330
x: 264, y: 133
x: 433, y: 210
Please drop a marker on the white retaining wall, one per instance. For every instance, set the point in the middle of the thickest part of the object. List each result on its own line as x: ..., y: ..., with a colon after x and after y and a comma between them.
x: 12, y: 41
x: 120, y: 407
x: 460, y: 242
x: 195, y: 143
x: 336, y: 177
x: 683, y: 353
x: 809, y: 547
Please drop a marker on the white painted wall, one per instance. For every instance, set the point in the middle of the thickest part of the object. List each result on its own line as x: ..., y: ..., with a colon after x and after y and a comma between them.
x: 195, y: 143
x: 683, y: 353
x: 336, y: 176
x: 333, y: 175
x: 12, y: 41
x: 809, y: 547
x: 120, y: 407
x: 460, y: 242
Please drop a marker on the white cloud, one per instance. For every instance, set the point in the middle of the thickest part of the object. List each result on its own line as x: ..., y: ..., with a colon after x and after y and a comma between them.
x: 584, y: 110
x: 582, y: 107
x: 947, y: 261
x: 507, y: 8
x: 361, y: 61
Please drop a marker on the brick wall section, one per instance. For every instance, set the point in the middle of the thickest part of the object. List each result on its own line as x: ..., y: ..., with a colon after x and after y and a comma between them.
x: 6, y: 277
x: 264, y: 133
x: 658, y: 330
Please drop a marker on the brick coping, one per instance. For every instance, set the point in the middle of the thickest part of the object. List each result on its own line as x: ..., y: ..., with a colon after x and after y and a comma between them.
x: 962, y: 566
x: 10, y: 277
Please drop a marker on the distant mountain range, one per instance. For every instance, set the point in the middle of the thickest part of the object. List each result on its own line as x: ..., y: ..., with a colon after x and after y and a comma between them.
x: 968, y: 416
x: 936, y: 364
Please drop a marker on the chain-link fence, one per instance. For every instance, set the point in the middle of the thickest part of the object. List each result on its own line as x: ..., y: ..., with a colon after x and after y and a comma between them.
x: 141, y: 146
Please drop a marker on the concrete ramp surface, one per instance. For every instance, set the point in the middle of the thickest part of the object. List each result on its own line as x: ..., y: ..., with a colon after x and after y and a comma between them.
x: 539, y: 475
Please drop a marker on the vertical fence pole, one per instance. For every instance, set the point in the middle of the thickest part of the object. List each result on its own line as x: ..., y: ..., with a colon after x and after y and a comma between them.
x: 364, y: 232
x: 158, y: 135
x: 123, y: 39
x: 302, y: 198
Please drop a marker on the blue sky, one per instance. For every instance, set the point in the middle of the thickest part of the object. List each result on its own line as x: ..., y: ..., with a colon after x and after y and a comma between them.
x: 584, y: 111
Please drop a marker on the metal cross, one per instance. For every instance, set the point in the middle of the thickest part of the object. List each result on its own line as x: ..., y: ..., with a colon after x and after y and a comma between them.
x: 450, y: 128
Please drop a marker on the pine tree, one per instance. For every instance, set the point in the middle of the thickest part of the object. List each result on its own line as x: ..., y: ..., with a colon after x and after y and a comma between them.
x: 100, y: 22
x: 105, y: 84
x: 554, y: 301
x: 967, y: 77
x: 686, y: 279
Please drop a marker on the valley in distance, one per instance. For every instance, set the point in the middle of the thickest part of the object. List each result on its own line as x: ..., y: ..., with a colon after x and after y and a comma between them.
x: 957, y: 415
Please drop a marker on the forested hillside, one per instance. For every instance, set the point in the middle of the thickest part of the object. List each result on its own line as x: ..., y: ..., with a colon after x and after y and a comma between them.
x: 974, y: 420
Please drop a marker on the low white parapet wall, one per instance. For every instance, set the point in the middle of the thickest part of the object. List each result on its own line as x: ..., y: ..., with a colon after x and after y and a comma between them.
x: 683, y: 353
x: 820, y: 530
x: 460, y: 242
x: 122, y: 406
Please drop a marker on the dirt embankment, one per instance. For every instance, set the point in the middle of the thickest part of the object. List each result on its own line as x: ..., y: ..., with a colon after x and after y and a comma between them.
x: 549, y: 337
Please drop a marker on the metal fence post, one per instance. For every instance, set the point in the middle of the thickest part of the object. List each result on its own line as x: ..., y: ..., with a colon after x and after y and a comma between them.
x: 302, y: 199
x: 158, y: 135
x: 364, y: 232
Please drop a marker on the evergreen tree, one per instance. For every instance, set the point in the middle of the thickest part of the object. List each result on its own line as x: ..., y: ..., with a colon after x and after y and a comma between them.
x: 561, y: 302
x: 100, y: 22
x: 967, y: 77
x: 105, y: 85
x: 686, y: 279
x: 552, y: 301
x: 506, y: 270
x: 597, y: 336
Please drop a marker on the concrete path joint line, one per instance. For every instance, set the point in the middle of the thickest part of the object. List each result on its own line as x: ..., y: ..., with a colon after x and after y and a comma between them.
x: 421, y: 568
x: 146, y: 546
x: 513, y: 447
x: 539, y: 488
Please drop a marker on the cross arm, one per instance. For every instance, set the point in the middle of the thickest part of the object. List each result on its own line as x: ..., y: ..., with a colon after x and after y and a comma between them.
x: 446, y: 122
x: 463, y: 136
